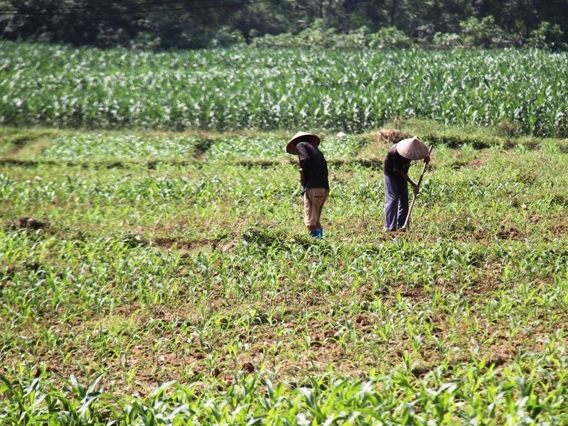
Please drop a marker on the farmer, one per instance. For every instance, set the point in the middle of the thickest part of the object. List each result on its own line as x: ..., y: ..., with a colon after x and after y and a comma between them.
x: 397, y: 163
x: 313, y: 177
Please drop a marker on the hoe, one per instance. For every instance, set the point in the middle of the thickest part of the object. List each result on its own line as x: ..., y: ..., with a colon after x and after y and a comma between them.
x: 407, y: 221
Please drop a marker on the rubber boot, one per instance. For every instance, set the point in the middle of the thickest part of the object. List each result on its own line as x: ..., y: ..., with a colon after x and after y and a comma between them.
x: 315, y: 234
x: 320, y: 232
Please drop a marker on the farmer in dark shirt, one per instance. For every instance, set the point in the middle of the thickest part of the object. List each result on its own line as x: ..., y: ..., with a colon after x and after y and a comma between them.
x: 313, y: 177
x: 396, y: 177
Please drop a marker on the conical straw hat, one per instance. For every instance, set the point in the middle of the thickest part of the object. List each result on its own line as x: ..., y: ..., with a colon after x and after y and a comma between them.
x: 291, y: 146
x: 412, y: 149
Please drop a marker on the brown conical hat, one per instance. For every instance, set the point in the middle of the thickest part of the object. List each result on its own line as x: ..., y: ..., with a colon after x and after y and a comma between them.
x: 412, y: 149
x: 291, y: 146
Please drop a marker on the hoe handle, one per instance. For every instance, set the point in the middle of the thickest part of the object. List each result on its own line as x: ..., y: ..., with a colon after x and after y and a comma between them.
x: 416, y: 195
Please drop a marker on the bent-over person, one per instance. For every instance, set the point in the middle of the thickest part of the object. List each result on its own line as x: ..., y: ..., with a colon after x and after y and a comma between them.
x: 396, y: 166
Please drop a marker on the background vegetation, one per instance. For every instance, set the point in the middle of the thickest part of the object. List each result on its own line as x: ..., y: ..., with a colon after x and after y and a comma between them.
x: 520, y: 91
x: 343, y: 24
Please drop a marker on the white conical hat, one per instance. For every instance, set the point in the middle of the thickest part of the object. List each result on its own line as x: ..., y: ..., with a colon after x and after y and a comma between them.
x: 291, y: 146
x: 412, y: 148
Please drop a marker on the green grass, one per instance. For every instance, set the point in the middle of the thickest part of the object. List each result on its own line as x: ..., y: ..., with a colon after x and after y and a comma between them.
x: 171, y: 279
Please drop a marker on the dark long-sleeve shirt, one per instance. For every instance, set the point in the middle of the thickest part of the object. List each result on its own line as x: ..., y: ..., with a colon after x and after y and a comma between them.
x: 394, y: 162
x: 314, y: 166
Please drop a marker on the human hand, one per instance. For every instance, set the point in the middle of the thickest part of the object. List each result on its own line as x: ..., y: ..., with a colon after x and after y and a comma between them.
x: 416, y: 189
x: 427, y: 159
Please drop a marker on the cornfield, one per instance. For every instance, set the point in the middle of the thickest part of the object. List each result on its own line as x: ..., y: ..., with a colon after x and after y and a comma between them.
x: 281, y: 89
x: 157, y: 277
x: 139, y: 289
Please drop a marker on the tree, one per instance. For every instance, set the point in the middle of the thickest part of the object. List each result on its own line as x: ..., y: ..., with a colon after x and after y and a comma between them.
x: 547, y: 36
x: 482, y: 33
x: 190, y: 24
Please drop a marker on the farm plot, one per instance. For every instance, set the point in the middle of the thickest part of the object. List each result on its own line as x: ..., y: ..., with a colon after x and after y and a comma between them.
x: 223, y: 90
x: 139, y: 291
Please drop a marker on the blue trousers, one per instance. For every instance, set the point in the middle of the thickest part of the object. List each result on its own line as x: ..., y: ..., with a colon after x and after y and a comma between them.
x: 396, y: 202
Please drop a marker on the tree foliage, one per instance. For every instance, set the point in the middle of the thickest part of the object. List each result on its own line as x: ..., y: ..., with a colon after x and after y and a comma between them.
x: 166, y: 24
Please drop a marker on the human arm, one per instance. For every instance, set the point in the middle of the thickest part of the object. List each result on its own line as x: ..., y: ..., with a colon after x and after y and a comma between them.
x: 403, y: 173
x: 304, y: 157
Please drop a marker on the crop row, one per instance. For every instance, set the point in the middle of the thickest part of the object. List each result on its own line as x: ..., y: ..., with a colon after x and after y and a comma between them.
x: 97, y: 146
x: 474, y: 395
x: 139, y: 315
x: 281, y: 89
x: 222, y: 192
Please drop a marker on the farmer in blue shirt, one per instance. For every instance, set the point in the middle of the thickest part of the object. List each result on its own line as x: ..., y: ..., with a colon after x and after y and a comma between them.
x: 397, y: 163
x: 313, y: 177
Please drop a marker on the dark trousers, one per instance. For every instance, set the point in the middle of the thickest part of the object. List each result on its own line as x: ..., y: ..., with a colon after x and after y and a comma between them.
x: 396, y: 202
